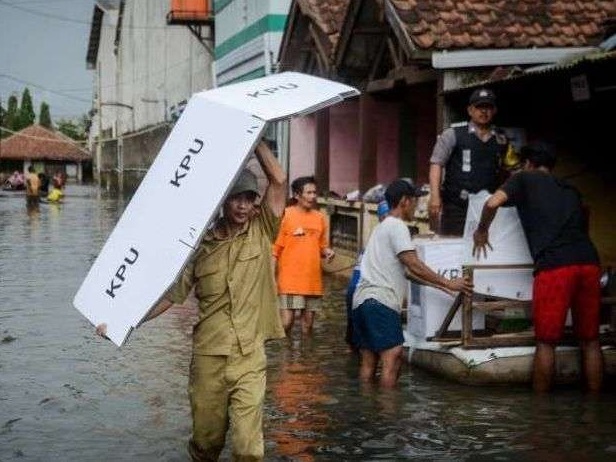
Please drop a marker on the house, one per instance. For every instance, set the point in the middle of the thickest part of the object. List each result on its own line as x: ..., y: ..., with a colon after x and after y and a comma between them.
x: 48, y: 150
x: 417, y: 61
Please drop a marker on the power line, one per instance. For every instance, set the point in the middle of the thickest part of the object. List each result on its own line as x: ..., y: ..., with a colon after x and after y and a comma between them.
x: 44, y: 15
x: 46, y: 2
x: 71, y: 20
x: 59, y: 93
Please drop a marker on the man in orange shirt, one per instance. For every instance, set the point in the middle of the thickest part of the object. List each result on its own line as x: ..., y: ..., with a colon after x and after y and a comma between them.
x: 301, y: 244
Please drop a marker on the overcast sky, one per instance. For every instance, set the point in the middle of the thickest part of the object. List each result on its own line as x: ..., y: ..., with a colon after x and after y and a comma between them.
x: 43, y: 46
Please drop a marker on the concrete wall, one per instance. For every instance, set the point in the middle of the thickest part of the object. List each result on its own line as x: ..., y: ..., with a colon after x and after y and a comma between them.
x: 159, y: 66
x: 345, y: 146
x: 302, y: 146
x: 144, y: 81
x: 139, y: 153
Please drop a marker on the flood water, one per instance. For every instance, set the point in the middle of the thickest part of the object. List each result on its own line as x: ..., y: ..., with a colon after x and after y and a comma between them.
x: 68, y: 395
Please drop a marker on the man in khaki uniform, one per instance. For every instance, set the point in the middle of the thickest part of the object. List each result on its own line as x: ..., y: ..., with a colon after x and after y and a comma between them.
x: 233, y: 278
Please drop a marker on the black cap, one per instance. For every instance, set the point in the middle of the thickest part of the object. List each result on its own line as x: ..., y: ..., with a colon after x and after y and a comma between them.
x: 402, y: 187
x: 482, y: 96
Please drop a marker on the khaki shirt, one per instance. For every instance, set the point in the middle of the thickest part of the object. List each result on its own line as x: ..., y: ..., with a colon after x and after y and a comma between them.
x: 235, y: 286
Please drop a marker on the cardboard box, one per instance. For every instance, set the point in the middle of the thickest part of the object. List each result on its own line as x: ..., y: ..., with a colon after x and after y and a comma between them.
x: 429, y: 306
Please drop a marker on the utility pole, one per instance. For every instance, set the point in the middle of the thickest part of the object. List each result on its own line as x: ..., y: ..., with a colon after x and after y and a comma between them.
x: 119, y: 139
x: 99, y: 108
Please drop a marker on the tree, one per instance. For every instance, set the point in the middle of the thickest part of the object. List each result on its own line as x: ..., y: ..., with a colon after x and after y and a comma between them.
x: 74, y: 130
x: 45, y: 116
x: 11, y: 115
x: 26, y: 111
x: 2, y: 119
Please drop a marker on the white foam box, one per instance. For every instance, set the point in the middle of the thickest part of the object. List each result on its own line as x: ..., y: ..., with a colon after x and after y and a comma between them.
x: 509, y: 247
x: 428, y: 306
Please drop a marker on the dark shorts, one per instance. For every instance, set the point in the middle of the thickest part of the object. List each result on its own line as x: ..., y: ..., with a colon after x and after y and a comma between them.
x: 376, y: 327
x: 555, y: 290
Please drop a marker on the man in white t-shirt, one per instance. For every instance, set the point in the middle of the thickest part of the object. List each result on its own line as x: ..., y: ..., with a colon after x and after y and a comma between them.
x: 378, y: 298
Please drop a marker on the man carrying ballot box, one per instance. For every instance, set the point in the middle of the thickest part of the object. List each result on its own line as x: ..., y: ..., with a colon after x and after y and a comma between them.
x: 232, y: 273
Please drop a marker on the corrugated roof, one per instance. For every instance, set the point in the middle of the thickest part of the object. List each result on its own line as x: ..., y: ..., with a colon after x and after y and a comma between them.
x: 506, y: 74
x: 39, y: 143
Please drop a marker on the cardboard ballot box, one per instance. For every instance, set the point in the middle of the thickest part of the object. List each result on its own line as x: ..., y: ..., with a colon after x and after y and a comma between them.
x: 429, y: 306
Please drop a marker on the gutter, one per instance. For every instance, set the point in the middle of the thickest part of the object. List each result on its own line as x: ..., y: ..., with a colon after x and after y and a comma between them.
x: 503, y: 57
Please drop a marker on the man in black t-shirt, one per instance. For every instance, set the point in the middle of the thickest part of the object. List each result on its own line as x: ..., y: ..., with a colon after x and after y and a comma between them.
x: 566, y: 263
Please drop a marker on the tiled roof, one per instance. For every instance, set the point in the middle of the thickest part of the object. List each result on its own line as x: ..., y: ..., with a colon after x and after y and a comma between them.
x: 482, y: 24
x: 39, y: 143
x: 327, y: 15
x: 478, y: 24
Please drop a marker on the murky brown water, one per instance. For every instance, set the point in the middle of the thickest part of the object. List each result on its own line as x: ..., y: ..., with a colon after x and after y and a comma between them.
x: 67, y: 395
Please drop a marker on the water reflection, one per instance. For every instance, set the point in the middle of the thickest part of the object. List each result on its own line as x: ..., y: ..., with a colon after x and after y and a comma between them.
x: 67, y: 395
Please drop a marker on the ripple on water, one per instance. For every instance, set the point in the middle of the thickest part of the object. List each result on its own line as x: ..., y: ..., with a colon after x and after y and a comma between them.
x: 68, y: 395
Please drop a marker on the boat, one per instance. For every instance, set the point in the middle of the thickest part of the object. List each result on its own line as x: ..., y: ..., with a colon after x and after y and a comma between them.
x: 496, y: 365
x: 8, y: 186
x: 488, y: 338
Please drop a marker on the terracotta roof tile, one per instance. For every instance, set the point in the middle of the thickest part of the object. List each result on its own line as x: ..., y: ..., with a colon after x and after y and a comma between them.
x: 445, y: 24
x: 327, y: 15
x: 36, y: 143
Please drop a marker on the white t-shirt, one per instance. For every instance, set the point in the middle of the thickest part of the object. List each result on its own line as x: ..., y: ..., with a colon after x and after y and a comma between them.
x: 382, y: 273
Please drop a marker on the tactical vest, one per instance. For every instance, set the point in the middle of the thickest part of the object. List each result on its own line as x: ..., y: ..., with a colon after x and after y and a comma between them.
x: 473, y: 165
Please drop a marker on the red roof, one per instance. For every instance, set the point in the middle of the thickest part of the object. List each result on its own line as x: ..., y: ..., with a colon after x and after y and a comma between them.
x: 39, y: 143
x: 448, y: 24
x: 482, y: 24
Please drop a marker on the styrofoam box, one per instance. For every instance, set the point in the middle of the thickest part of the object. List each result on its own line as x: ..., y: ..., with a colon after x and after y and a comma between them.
x: 429, y: 306
x: 514, y: 283
x: 509, y: 246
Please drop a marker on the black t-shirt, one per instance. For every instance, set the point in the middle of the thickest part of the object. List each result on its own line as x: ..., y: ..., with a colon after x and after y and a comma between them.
x: 553, y: 219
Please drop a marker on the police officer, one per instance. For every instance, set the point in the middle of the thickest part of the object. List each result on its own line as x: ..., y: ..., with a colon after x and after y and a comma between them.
x: 471, y: 157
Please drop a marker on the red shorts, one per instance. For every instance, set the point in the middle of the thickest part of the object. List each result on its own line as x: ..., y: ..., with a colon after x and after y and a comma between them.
x: 555, y: 290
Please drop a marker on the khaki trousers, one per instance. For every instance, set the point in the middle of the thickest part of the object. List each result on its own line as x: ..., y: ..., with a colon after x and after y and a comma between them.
x: 228, y: 392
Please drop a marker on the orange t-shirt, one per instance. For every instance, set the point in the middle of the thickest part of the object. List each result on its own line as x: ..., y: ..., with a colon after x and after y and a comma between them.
x: 297, y: 249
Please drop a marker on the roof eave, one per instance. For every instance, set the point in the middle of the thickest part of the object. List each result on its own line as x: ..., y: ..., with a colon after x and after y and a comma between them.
x: 503, y: 57
x: 95, y: 37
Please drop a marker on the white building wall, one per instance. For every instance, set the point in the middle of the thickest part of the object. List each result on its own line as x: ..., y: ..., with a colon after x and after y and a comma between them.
x: 157, y: 69
x: 248, y: 36
x: 105, y: 76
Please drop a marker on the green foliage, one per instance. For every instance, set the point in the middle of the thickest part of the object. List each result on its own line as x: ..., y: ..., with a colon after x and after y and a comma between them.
x: 17, y: 116
x: 45, y: 115
x: 2, y: 117
x: 72, y: 129
x: 26, y: 111
x: 10, y: 116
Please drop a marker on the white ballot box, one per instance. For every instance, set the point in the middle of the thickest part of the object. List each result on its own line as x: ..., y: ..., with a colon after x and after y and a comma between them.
x: 428, y: 306
x: 509, y: 247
